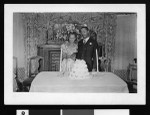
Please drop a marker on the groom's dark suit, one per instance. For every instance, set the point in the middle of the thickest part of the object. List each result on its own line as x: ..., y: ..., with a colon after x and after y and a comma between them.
x: 88, y: 52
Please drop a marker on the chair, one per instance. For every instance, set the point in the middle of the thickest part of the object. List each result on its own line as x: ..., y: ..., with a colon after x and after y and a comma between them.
x: 132, y: 77
x: 34, y: 69
x: 17, y: 84
x: 105, y: 64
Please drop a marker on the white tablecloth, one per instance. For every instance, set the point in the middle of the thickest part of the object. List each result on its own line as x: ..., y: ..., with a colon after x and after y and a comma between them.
x: 103, y: 82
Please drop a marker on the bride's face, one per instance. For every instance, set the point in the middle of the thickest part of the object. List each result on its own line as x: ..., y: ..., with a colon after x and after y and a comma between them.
x: 72, y: 38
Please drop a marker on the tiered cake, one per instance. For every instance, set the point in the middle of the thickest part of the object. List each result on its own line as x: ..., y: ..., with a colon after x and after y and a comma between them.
x: 79, y: 70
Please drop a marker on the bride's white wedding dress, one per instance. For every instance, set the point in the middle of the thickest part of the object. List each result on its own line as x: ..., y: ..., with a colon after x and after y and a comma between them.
x: 68, y: 57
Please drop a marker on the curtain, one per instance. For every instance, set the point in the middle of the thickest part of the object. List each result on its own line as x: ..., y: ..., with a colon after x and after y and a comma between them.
x: 125, y: 41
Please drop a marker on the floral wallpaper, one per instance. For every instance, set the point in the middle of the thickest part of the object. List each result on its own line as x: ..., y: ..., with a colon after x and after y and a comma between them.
x: 52, y: 28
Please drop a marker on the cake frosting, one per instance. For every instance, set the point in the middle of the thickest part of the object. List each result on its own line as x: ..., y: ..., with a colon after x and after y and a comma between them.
x: 79, y: 70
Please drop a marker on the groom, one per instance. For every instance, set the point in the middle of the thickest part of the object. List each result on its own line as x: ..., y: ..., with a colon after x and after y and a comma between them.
x: 87, y: 49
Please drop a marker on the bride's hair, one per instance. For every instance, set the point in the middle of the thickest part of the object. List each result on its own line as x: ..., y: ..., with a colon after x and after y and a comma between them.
x: 73, y: 33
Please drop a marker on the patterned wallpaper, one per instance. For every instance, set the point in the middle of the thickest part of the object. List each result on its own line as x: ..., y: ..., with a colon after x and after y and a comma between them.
x: 39, y: 29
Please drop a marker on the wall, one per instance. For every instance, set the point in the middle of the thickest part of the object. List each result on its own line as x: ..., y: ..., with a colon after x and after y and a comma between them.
x: 125, y: 44
x: 37, y: 24
x: 18, y: 42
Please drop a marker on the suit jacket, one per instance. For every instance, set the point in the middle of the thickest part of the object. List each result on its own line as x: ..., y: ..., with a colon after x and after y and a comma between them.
x: 88, y: 52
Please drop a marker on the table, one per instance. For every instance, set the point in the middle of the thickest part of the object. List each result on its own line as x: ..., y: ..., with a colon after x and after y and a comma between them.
x: 102, y: 82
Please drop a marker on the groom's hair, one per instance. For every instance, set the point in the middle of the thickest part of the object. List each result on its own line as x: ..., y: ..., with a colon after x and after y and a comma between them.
x: 85, y: 27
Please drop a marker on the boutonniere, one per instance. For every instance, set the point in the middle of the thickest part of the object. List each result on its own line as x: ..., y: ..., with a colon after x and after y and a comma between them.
x: 90, y: 43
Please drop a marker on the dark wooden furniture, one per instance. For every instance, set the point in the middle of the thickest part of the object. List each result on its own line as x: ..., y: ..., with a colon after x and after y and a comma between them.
x: 51, y: 56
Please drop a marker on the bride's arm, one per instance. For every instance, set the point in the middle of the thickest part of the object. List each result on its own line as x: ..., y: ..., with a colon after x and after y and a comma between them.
x: 74, y: 53
x: 64, y: 55
x: 73, y: 56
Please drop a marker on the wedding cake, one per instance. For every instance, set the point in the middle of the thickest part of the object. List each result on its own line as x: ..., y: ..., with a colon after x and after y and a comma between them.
x: 79, y: 70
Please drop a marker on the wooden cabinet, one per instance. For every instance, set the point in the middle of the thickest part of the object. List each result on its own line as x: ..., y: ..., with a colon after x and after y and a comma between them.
x: 51, y: 55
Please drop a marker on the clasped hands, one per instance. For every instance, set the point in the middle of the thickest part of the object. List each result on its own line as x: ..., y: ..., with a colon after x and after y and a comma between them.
x: 72, y: 56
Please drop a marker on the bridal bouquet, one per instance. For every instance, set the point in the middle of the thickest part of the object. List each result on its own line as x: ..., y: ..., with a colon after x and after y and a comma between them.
x: 79, y: 70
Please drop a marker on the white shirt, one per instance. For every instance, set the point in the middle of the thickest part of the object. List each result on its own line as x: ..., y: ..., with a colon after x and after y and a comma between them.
x: 86, y: 39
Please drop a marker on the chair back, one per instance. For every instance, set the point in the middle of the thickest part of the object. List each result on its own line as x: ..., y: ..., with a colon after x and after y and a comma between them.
x: 105, y: 64
x: 15, y: 74
x: 132, y: 72
x: 34, y: 65
x: 132, y: 77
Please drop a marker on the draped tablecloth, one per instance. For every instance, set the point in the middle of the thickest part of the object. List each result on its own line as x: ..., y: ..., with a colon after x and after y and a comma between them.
x: 105, y: 82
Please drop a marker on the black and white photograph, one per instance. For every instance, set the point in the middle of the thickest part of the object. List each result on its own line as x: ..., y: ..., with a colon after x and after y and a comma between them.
x: 75, y: 50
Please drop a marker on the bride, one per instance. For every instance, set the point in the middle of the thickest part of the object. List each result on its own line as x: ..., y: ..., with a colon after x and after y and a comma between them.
x: 69, y: 50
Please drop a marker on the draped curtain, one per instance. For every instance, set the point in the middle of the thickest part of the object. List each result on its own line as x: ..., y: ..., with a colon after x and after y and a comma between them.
x: 126, y: 42
x: 36, y: 25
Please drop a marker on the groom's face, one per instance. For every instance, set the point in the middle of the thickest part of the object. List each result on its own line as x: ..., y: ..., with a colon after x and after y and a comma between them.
x: 84, y: 32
